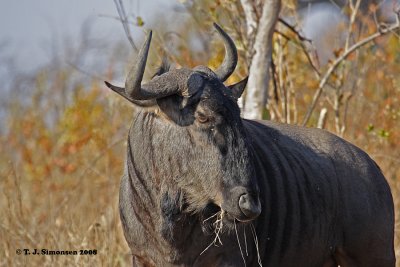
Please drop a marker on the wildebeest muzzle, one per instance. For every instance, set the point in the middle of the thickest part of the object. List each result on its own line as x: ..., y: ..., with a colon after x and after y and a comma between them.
x: 243, y: 204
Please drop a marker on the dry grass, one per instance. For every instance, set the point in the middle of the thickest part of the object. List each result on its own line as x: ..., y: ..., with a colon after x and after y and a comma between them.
x: 43, y: 215
x: 59, y: 183
x: 218, y: 226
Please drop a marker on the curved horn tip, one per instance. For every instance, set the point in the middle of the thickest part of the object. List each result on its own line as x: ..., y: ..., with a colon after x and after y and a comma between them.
x: 147, y: 41
x: 231, y: 57
x: 119, y: 90
x: 217, y: 27
x: 109, y: 85
x: 149, y: 35
x: 135, y: 75
x: 221, y: 31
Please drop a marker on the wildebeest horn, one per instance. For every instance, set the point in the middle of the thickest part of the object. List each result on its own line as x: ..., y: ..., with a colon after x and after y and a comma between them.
x: 230, y: 60
x: 133, y: 91
x: 121, y: 91
x: 160, y: 86
x: 133, y: 82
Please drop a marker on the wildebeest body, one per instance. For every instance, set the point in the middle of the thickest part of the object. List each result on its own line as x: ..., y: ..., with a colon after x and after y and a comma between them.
x: 319, y: 194
x: 203, y: 187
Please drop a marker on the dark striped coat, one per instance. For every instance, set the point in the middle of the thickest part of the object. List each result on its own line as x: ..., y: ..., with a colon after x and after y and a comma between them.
x: 324, y: 203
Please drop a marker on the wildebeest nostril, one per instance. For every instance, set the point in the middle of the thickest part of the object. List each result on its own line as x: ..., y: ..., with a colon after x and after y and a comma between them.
x: 250, y: 206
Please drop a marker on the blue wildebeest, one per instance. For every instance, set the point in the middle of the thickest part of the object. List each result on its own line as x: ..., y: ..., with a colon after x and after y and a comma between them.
x: 204, y: 187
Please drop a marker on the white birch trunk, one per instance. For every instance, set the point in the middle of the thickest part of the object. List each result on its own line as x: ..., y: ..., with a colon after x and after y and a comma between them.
x: 251, y: 24
x: 259, y: 75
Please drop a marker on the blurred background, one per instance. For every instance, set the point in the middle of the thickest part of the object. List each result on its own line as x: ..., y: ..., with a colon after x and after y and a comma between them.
x: 62, y: 133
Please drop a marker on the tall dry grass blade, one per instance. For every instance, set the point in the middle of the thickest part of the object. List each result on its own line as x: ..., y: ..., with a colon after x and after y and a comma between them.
x: 245, y: 240
x: 212, y: 216
x: 253, y: 231
x: 218, y: 224
x: 18, y: 191
x: 240, y: 247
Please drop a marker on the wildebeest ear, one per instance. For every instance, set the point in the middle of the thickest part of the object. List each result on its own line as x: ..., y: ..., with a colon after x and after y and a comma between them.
x: 238, y: 88
x: 121, y: 92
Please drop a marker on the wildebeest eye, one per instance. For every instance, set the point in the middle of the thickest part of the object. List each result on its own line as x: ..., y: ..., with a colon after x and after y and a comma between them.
x: 202, y: 118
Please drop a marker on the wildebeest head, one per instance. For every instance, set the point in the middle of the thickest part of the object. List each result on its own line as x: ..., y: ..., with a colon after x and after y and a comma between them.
x: 219, y: 172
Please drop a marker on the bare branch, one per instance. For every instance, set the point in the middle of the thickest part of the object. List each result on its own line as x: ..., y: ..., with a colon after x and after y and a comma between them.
x: 354, y: 11
x: 397, y: 11
x: 282, y: 85
x: 88, y: 73
x: 251, y: 17
x: 336, y: 109
x: 293, y: 29
x: 337, y: 62
x: 251, y: 25
x: 116, y: 18
x: 346, y: 99
x: 303, y: 47
x: 322, y: 118
x: 124, y: 19
x: 274, y: 74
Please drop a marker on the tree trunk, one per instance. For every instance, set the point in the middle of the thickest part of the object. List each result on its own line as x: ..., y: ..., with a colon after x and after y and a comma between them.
x: 259, y: 75
x: 249, y: 9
